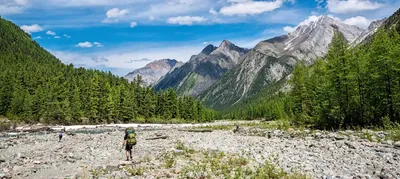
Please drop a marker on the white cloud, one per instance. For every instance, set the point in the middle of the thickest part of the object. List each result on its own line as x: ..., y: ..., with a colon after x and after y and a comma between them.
x: 57, y: 37
x: 126, y: 58
x: 186, y: 20
x: 351, y: 6
x: 152, y: 18
x: 133, y: 24
x: 31, y: 28
x: 12, y: 6
x: 170, y: 8
x: 80, y: 3
x: 38, y: 37
x: 114, y: 14
x: 67, y: 36
x: 289, y: 29
x: 84, y: 45
x: 213, y: 11
x: 21, y: 2
x: 248, y: 7
x: 358, y: 21
x: 49, y: 32
x: 310, y: 19
x: 97, y: 44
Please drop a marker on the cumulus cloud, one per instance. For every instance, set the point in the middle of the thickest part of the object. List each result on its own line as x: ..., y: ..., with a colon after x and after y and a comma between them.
x: 351, y: 6
x: 38, y: 37
x: 49, y: 32
x: 84, y: 44
x: 114, y: 14
x: 98, y: 44
x: 57, y: 37
x: 213, y: 11
x: 67, y: 36
x: 12, y: 6
x: 249, y: 7
x: 186, y: 20
x: 31, y: 28
x: 133, y: 24
x: 310, y: 19
x: 289, y: 29
x: 358, y: 21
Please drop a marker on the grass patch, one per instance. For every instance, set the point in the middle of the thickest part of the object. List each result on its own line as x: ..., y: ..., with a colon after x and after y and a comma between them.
x: 219, y: 165
x: 97, y: 173
x: 181, y: 146
x: 215, y: 127
x: 394, y: 133
x: 134, y: 171
x: 169, y: 160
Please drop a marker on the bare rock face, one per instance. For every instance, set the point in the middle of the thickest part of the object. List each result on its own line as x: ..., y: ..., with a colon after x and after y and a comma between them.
x: 271, y: 61
x: 367, y: 33
x: 202, y: 70
x: 153, y: 71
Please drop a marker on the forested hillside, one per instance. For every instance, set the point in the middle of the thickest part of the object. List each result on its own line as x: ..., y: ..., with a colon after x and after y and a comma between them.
x: 351, y: 87
x: 35, y: 86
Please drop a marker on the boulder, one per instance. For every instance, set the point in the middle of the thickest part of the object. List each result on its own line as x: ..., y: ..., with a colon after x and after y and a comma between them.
x: 397, y: 144
x: 123, y: 163
x: 350, y: 145
x: 387, y: 142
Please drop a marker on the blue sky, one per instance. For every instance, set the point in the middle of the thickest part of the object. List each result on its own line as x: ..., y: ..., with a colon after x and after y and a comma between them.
x: 116, y: 35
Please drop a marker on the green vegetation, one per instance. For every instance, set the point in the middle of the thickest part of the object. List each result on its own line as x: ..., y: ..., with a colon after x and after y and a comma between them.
x: 134, y: 171
x: 219, y: 165
x: 350, y: 88
x: 37, y: 87
x: 169, y: 160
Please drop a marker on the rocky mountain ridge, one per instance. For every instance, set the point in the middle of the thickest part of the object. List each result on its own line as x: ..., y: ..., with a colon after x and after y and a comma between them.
x: 153, y: 71
x: 202, y: 70
x: 271, y: 61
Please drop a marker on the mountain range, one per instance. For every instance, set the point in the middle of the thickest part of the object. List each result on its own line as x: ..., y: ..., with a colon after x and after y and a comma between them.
x: 153, y: 71
x: 202, y: 70
x: 226, y: 75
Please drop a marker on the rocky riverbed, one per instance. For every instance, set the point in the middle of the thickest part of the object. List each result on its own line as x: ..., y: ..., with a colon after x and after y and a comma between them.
x: 97, y: 153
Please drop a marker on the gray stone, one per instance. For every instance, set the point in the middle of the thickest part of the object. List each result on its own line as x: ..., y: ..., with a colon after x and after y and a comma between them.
x: 309, y: 138
x: 387, y: 142
x: 350, y: 145
x: 340, y: 137
x: 397, y: 144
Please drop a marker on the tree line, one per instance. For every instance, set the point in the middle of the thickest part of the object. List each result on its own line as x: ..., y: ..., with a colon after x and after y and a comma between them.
x: 352, y: 86
x: 35, y: 86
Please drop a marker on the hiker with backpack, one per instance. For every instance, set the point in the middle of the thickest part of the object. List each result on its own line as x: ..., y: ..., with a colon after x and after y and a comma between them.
x: 129, y: 142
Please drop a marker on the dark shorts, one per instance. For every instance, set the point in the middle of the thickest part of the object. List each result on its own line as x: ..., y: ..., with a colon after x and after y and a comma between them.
x: 128, y: 147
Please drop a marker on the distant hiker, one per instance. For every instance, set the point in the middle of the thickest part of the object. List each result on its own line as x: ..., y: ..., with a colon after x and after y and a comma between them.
x: 129, y: 142
x: 60, y: 136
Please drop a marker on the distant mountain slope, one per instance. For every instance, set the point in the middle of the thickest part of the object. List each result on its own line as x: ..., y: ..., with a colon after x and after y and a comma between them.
x: 367, y: 33
x: 153, y: 71
x: 272, y: 61
x: 202, y: 70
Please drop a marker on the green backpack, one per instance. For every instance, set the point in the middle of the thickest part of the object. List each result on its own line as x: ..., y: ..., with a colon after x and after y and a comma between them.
x: 131, y: 136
